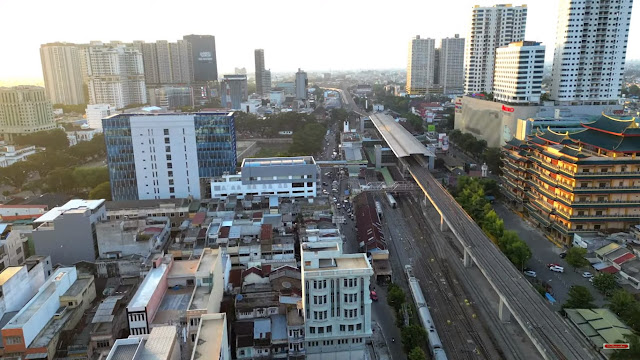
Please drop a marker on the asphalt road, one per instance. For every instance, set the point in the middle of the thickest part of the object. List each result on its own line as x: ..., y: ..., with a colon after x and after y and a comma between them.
x: 545, y: 252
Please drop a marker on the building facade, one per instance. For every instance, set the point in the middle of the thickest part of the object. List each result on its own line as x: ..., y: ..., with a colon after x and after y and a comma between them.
x: 302, y: 83
x: 518, y: 73
x: 163, y: 156
x: 24, y: 110
x: 421, y: 66
x: 451, y: 65
x: 116, y: 75
x: 591, y: 46
x: 170, y: 96
x: 336, y: 301
x: 165, y: 62
x: 203, y: 57
x: 580, y: 182
x: 263, y: 76
x: 285, y: 177
x: 68, y: 233
x: 491, y: 28
x: 234, y: 91
x: 62, y: 73
x: 97, y: 112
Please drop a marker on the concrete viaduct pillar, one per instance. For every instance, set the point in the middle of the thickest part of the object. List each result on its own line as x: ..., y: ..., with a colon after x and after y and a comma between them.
x: 503, y: 312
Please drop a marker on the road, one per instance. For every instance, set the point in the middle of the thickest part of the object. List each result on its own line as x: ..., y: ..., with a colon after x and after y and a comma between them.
x: 554, y: 338
x: 545, y: 252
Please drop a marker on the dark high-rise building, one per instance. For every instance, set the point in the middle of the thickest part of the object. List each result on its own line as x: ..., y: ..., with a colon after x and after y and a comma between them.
x: 203, y: 50
x: 263, y: 76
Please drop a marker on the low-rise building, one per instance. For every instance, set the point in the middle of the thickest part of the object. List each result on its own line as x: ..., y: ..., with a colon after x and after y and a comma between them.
x: 212, y: 338
x: 177, y: 210
x: 11, y: 154
x: 68, y: 233
x: 9, y: 213
x: 97, y: 112
x: 132, y: 236
x: 161, y: 344
x: 109, y: 323
x: 144, y: 305
x: 12, y: 246
x: 600, y: 326
x: 18, y: 284
x: 293, y: 177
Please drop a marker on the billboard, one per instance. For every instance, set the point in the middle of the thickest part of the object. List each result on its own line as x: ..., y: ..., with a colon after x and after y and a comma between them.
x: 443, y: 142
x: 431, y: 128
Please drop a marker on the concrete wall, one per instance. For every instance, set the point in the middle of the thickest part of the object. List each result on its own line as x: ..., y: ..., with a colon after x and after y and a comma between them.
x: 496, y: 123
x: 69, y: 241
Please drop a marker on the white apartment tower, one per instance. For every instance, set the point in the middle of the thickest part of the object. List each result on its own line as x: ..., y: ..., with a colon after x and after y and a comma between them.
x: 116, y: 75
x: 591, y: 45
x: 451, y: 65
x: 421, y: 65
x: 62, y: 73
x: 518, y: 72
x: 491, y: 28
x: 97, y: 112
x: 336, y: 301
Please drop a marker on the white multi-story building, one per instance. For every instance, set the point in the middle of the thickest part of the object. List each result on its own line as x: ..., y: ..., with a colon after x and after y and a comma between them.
x: 451, y: 65
x: 97, y: 112
x: 491, y: 28
x: 11, y: 154
x: 518, y: 72
x: 301, y: 85
x: 421, y: 65
x: 591, y: 45
x: 336, y: 301
x: 116, y: 75
x: 285, y: 177
x: 62, y: 73
x: 18, y: 284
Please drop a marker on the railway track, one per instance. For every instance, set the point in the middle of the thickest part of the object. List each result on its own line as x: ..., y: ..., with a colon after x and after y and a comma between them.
x: 552, y: 336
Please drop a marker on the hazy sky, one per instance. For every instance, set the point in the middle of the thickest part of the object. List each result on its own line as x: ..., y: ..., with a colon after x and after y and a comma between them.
x: 313, y: 35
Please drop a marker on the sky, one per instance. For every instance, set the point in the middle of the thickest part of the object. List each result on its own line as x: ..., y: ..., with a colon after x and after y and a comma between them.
x: 312, y: 35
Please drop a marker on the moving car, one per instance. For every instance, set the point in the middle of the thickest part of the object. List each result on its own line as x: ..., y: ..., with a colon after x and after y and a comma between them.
x: 587, y: 274
x: 552, y: 265
x: 559, y: 269
x: 531, y: 273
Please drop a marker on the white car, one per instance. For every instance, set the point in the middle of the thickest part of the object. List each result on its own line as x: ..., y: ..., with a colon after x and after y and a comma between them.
x: 531, y: 273
x: 587, y: 274
x: 559, y: 269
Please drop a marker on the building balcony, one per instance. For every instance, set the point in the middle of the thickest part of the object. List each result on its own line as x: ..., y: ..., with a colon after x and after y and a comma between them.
x: 609, y: 203
x: 607, y: 189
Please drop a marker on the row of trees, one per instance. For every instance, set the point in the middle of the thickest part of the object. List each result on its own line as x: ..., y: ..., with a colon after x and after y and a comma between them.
x: 56, y: 168
x: 413, y: 336
x: 471, y: 194
x: 477, y: 149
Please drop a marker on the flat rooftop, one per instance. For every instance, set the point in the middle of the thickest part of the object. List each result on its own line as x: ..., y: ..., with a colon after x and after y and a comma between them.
x: 174, y: 305
x: 52, y: 328
x: 71, y: 205
x: 77, y: 287
x: 345, y: 262
x: 182, y: 268
x: 147, y: 288
x: 124, y: 352
x: 278, y: 161
x: 8, y: 273
x: 209, y: 340
x: 401, y: 142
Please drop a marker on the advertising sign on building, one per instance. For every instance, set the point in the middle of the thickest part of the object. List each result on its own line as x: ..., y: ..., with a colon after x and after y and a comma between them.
x: 508, y: 109
x: 431, y: 128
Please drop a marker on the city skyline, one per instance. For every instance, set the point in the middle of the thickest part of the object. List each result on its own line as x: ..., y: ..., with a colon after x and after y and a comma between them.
x: 235, y: 48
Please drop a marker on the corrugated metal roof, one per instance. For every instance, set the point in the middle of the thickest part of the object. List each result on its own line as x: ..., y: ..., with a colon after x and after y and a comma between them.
x: 607, y: 249
x: 401, y: 142
x: 624, y: 258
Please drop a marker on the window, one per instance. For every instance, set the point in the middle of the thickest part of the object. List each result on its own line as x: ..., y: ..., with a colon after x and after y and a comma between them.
x: 102, y: 343
x: 167, y: 148
x: 584, y: 184
x: 578, y: 227
x: 166, y: 131
x: 599, y: 213
x: 70, y: 303
x: 602, y: 185
x: 172, y: 190
x: 343, y: 327
x: 312, y: 330
x: 596, y: 227
x: 166, y: 140
x: 358, y: 326
x: 168, y: 157
x: 12, y: 340
x: 170, y: 181
x: 169, y: 165
x: 170, y: 174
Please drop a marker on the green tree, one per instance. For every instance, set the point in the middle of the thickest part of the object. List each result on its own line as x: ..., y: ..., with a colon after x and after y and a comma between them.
x: 519, y: 253
x: 67, y: 109
x: 493, y: 224
x: 339, y: 114
x: 16, y: 174
x: 45, y: 161
x: 413, y: 336
x: 51, y: 140
x: 579, y: 298
x: 102, y: 191
x: 633, y: 353
x: 622, y: 303
x: 61, y: 180
x: 605, y: 283
x: 575, y: 257
x: 308, y: 140
x: 395, y: 296
x: 90, y: 177
x: 493, y: 158
x: 417, y: 354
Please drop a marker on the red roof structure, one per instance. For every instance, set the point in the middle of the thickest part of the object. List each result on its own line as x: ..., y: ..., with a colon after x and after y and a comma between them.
x: 609, y: 270
x: 198, y: 219
x: 624, y: 258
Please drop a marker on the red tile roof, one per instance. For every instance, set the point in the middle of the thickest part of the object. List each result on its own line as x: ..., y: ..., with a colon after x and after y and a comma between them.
x: 252, y: 270
x: 624, y: 258
x: 266, y: 232
x: 235, y: 277
x: 609, y: 270
x: 198, y: 219
x: 257, y: 215
x: 224, y: 232
x: 23, y: 206
x: 20, y: 217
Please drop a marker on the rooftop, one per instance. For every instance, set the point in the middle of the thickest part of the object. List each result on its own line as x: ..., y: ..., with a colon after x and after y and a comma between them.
x: 401, y: 142
x: 209, y: 339
x: 123, y: 352
x: 78, y: 286
x: 8, y: 273
x: 599, y: 325
x: 147, y: 288
x: 76, y: 204
x: 294, y: 318
x: 146, y: 204
x: 104, y: 313
x: 184, y: 268
x: 278, y: 161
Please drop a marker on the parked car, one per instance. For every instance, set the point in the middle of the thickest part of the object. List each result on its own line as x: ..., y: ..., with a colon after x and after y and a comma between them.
x: 563, y: 255
x: 587, y: 274
x: 374, y: 296
x: 552, y: 265
x: 325, y: 184
x: 530, y: 273
x: 559, y: 269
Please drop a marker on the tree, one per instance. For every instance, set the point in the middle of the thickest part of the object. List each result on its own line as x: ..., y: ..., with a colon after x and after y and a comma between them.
x: 519, y: 253
x: 575, y: 257
x: 508, y: 237
x: 633, y: 353
x: 395, y: 296
x: 16, y: 174
x: 308, y: 140
x: 90, y: 177
x: 417, y: 354
x: 102, y: 191
x: 413, y: 336
x: 51, y: 140
x: 492, y: 224
x: 622, y: 303
x: 45, y: 161
x: 493, y: 158
x: 579, y: 298
x: 605, y: 283
x: 61, y: 180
